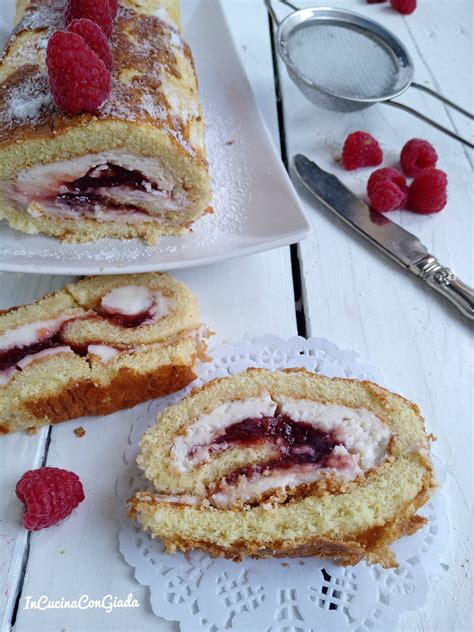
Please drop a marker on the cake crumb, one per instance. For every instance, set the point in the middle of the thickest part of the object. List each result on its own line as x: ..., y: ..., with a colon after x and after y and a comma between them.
x: 79, y: 431
x: 32, y: 431
x: 230, y: 142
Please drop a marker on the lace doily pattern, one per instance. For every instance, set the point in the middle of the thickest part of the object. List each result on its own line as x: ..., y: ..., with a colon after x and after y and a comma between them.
x: 290, y: 595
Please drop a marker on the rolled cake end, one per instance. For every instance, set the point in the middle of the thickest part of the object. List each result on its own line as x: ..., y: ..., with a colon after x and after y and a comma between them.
x: 286, y: 464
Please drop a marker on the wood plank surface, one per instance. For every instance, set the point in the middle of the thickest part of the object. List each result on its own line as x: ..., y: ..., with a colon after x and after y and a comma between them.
x: 357, y: 297
x: 242, y: 298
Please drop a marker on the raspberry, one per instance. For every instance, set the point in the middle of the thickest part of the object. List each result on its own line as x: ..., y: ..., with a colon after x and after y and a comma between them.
x: 79, y: 80
x: 361, y: 150
x: 96, y: 10
x: 387, y: 190
x: 428, y: 192
x: 417, y: 155
x: 94, y: 38
x: 113, y: 6
x: 404, y: 6
x: 50, y: 494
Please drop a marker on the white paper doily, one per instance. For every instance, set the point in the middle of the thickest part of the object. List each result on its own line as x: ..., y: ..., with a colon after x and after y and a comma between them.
x: 290, y: 595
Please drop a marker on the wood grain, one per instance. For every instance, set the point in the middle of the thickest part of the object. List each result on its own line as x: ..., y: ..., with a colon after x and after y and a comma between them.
x: 356, y: 297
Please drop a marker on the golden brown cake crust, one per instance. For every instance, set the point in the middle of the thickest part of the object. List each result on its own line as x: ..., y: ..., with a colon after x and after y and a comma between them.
x: 149, y: 361
x: 153, y: 112
x: 127, y: 389
x: 141, y: 46
x: 372, y: 544
x: 347, y: 524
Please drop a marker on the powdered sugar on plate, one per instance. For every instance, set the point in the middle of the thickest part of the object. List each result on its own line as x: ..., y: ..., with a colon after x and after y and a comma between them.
x: 255, y: 206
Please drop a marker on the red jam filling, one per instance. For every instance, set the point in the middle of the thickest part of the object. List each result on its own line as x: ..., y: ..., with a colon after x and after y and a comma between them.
x: 126, y: 320
x: 111, y: 176
x: 298, y: 443
x: 11, y: 356
x: 90, y: 200
x: 81, y: 191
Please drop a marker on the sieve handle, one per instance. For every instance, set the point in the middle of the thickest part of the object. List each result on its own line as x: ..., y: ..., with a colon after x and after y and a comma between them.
x: 440, y: 97
x: 271, y: 10
x: 441, y: 128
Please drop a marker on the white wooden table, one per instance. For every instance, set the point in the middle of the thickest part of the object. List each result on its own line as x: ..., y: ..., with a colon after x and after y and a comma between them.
x: 332, y: 285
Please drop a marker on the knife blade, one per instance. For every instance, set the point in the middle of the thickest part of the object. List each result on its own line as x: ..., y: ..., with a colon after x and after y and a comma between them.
x: 398, y: 243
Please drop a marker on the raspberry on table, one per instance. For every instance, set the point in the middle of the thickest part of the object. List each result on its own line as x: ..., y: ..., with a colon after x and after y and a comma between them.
x: 416, y: 155
x: 428, y: 192
x: 404, y: 6
x: 361, y: 150
x: 94, y: 37
x: 96, y: 10
x: 387, y: 173
x: 78, y: 78
x: 49, y: 494
x: 387, y: 190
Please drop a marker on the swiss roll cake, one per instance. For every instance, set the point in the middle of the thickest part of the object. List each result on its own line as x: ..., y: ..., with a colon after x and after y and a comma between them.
x: 282, y: 464
x: 95, y: 347
x: 137, y: 166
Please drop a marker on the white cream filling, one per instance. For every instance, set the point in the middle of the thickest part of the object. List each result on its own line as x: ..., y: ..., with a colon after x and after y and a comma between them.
x: 29, y: 334
x: 363, y: 435
x: 193, y: 446
x: 248, y: 489
x: 130, y: 300
x: 127, y: 299
x: 103, y: 352
x: 106, y: 353
x: 37, y: 187
x: 7, y: 374
x: 24, y: 362
x: 359, y: 429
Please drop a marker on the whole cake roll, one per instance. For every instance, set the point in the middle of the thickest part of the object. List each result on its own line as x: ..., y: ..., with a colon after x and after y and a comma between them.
x: 97, y: 346
x: 134, y: 167
x: 286, y: 464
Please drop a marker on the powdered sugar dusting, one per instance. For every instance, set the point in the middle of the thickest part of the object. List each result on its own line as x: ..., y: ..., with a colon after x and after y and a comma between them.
x: 162, y: 14
x: 28, y: 100
x: 149, y: 106
x: 42, y: 15
x: 254, y: 207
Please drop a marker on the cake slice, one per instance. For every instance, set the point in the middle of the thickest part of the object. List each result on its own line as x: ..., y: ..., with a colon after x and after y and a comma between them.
x: 136, y: 167
x: 286, y: 464
x: 97, y: 346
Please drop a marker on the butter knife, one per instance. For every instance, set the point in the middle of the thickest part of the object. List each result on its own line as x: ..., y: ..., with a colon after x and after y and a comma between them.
x: 395, y: 241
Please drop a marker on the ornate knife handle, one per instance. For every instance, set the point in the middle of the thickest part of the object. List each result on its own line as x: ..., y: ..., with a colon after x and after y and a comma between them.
x: 446, y: 283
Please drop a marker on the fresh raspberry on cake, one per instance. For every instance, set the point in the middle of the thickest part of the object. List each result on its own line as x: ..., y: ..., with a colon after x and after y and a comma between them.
x: 404, y: 6
x: 387, y: 190
x: 113, y: 5
x: 361, y: 150
x: 49, y: 494
x: 99, y: 11
x: 416, y: 155
x: 78, y: 78
x: 94, y: 37
x: 428, y: 192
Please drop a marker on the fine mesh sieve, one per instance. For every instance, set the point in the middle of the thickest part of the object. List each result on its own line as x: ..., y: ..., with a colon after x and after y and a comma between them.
x: 345, y: 62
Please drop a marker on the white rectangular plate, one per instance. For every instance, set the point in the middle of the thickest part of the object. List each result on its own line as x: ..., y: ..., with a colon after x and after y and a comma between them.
x: 255, y: 205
